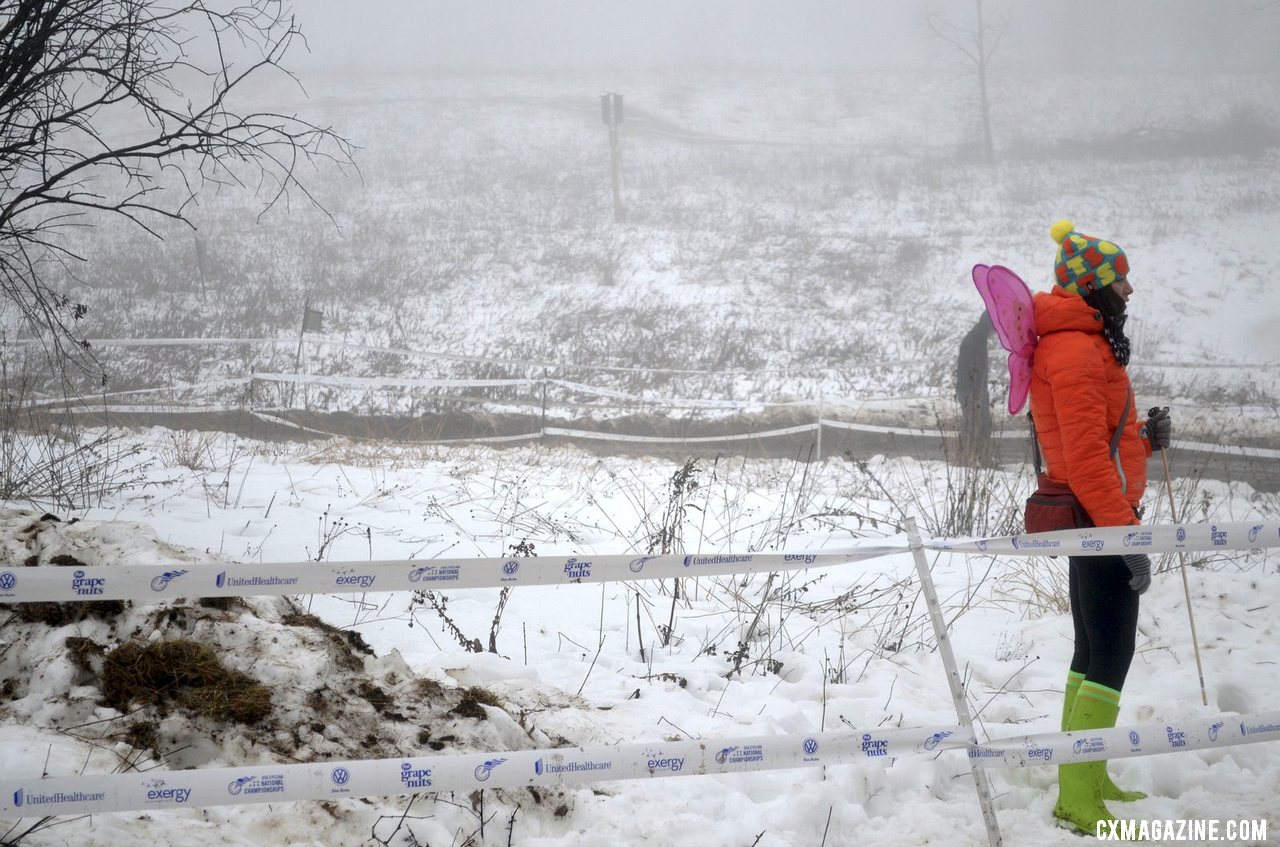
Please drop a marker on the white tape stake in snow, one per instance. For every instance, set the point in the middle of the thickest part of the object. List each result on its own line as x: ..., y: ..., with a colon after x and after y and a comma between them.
x: 1118, y: 540
x: 384, y: 777
x: 1090, y: 745
x: 159, y: 582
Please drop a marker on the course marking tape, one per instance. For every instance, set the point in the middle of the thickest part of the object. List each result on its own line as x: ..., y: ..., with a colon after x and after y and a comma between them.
x: 20, y: 584
x: 155, y: 583
x: 156, y: 790
x: 1090, y: 745
x: 1120, y: 540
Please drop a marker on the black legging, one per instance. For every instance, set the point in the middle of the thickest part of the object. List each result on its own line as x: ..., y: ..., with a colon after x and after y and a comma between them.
x: 1104, y: 610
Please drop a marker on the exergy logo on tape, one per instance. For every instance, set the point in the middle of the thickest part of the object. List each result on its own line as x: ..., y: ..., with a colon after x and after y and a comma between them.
x: 143, y: 582
x: 382, y: 777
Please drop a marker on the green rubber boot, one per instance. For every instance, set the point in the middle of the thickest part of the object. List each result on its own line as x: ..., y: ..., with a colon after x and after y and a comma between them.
x: 1110, y: 791
x: 1080, y: 803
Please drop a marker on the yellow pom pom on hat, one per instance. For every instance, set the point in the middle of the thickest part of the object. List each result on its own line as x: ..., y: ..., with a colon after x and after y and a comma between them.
x: 1085, y: 263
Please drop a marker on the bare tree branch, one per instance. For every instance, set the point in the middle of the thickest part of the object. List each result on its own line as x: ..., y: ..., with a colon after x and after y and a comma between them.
x: 130, y: 108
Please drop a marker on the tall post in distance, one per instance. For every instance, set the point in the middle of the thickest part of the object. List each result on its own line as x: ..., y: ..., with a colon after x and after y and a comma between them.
x: 611, y: 111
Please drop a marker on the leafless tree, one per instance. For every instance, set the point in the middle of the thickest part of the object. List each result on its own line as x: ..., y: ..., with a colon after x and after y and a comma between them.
x: 977, y: 45
x: 130, y: 108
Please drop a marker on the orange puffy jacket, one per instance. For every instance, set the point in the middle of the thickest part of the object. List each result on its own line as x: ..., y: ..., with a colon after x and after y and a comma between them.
x: 1078, y: 391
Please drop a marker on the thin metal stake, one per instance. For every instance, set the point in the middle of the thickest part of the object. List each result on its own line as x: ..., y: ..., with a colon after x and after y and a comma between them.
x: 953, y: 679
x: 1186, y: 588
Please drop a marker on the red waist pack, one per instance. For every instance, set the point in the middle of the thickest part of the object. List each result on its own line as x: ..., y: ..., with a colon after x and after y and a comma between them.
x: 1052, y: 506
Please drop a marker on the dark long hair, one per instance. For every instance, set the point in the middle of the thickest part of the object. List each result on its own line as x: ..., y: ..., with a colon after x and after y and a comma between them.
x: 1112, y: 307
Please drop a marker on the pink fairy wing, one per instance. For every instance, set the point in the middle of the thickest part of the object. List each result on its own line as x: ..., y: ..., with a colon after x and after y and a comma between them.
x: 1008, y: 302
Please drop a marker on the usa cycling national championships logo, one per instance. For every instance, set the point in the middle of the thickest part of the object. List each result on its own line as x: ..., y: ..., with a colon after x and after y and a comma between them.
x: 161, y: 582
x: 637, y: 565
x: 932, y: 742
x: 484, y: 770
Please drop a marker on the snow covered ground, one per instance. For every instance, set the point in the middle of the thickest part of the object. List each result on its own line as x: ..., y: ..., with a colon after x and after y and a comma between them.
x: 833, y: 648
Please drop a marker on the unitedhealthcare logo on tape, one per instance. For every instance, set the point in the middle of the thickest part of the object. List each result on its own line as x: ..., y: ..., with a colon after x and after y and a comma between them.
x: 1259, y: 729
x: 556, y: 764
x: 161, y: 582
x: 484, y: 770
x: 656, y: 761
x: 22, y: 798
x: 717, y: 559
x: 225, y: 580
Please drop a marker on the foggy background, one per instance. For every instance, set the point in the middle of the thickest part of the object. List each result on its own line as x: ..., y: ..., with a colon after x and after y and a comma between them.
x: 1088, y: 35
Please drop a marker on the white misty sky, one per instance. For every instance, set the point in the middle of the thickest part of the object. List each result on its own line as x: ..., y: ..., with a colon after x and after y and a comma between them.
x: 539, y: 34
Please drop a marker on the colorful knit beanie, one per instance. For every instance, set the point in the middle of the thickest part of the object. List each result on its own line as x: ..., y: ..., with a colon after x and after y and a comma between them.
x: 1085, y: 263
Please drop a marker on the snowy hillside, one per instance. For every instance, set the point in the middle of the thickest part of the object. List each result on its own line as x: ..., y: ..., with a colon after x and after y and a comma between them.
x: 830, y: 649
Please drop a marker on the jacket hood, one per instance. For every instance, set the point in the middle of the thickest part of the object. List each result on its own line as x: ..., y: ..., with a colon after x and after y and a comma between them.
x: 1060, y: 310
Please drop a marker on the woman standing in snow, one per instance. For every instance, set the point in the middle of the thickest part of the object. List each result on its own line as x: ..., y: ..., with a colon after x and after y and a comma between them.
x: 1092, y: 441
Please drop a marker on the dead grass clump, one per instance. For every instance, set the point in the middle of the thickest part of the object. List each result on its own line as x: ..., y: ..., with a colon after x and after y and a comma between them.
x: 430, y: 689
x: 61, y: 614
x: 186, y: 673
x: 473, y: 699
x: 348, y: 642
x: 83, y: 651
x: 222, y: 604
x: 377, y: 698
x: 143, y: 735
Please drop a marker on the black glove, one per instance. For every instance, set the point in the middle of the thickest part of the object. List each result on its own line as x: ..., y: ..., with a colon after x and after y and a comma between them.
x: 1139, y: 565
x: 1159, y: 428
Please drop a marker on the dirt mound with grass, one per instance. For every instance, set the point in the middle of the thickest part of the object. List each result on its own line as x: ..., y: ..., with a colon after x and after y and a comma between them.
x: 218, y: 682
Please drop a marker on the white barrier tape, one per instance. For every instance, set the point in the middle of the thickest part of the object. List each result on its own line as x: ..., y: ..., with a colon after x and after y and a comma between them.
x: 1119, y: 540
x: 98, y: 401
x: 672, y: 439
x: 1090, y: 745
x: 151, y: 790
x: 391, y: 382
x: 143, y: 582
x: 675, y: 402
x: 1235, y: 450
x: 468, y: 772
x: 158, y: 582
